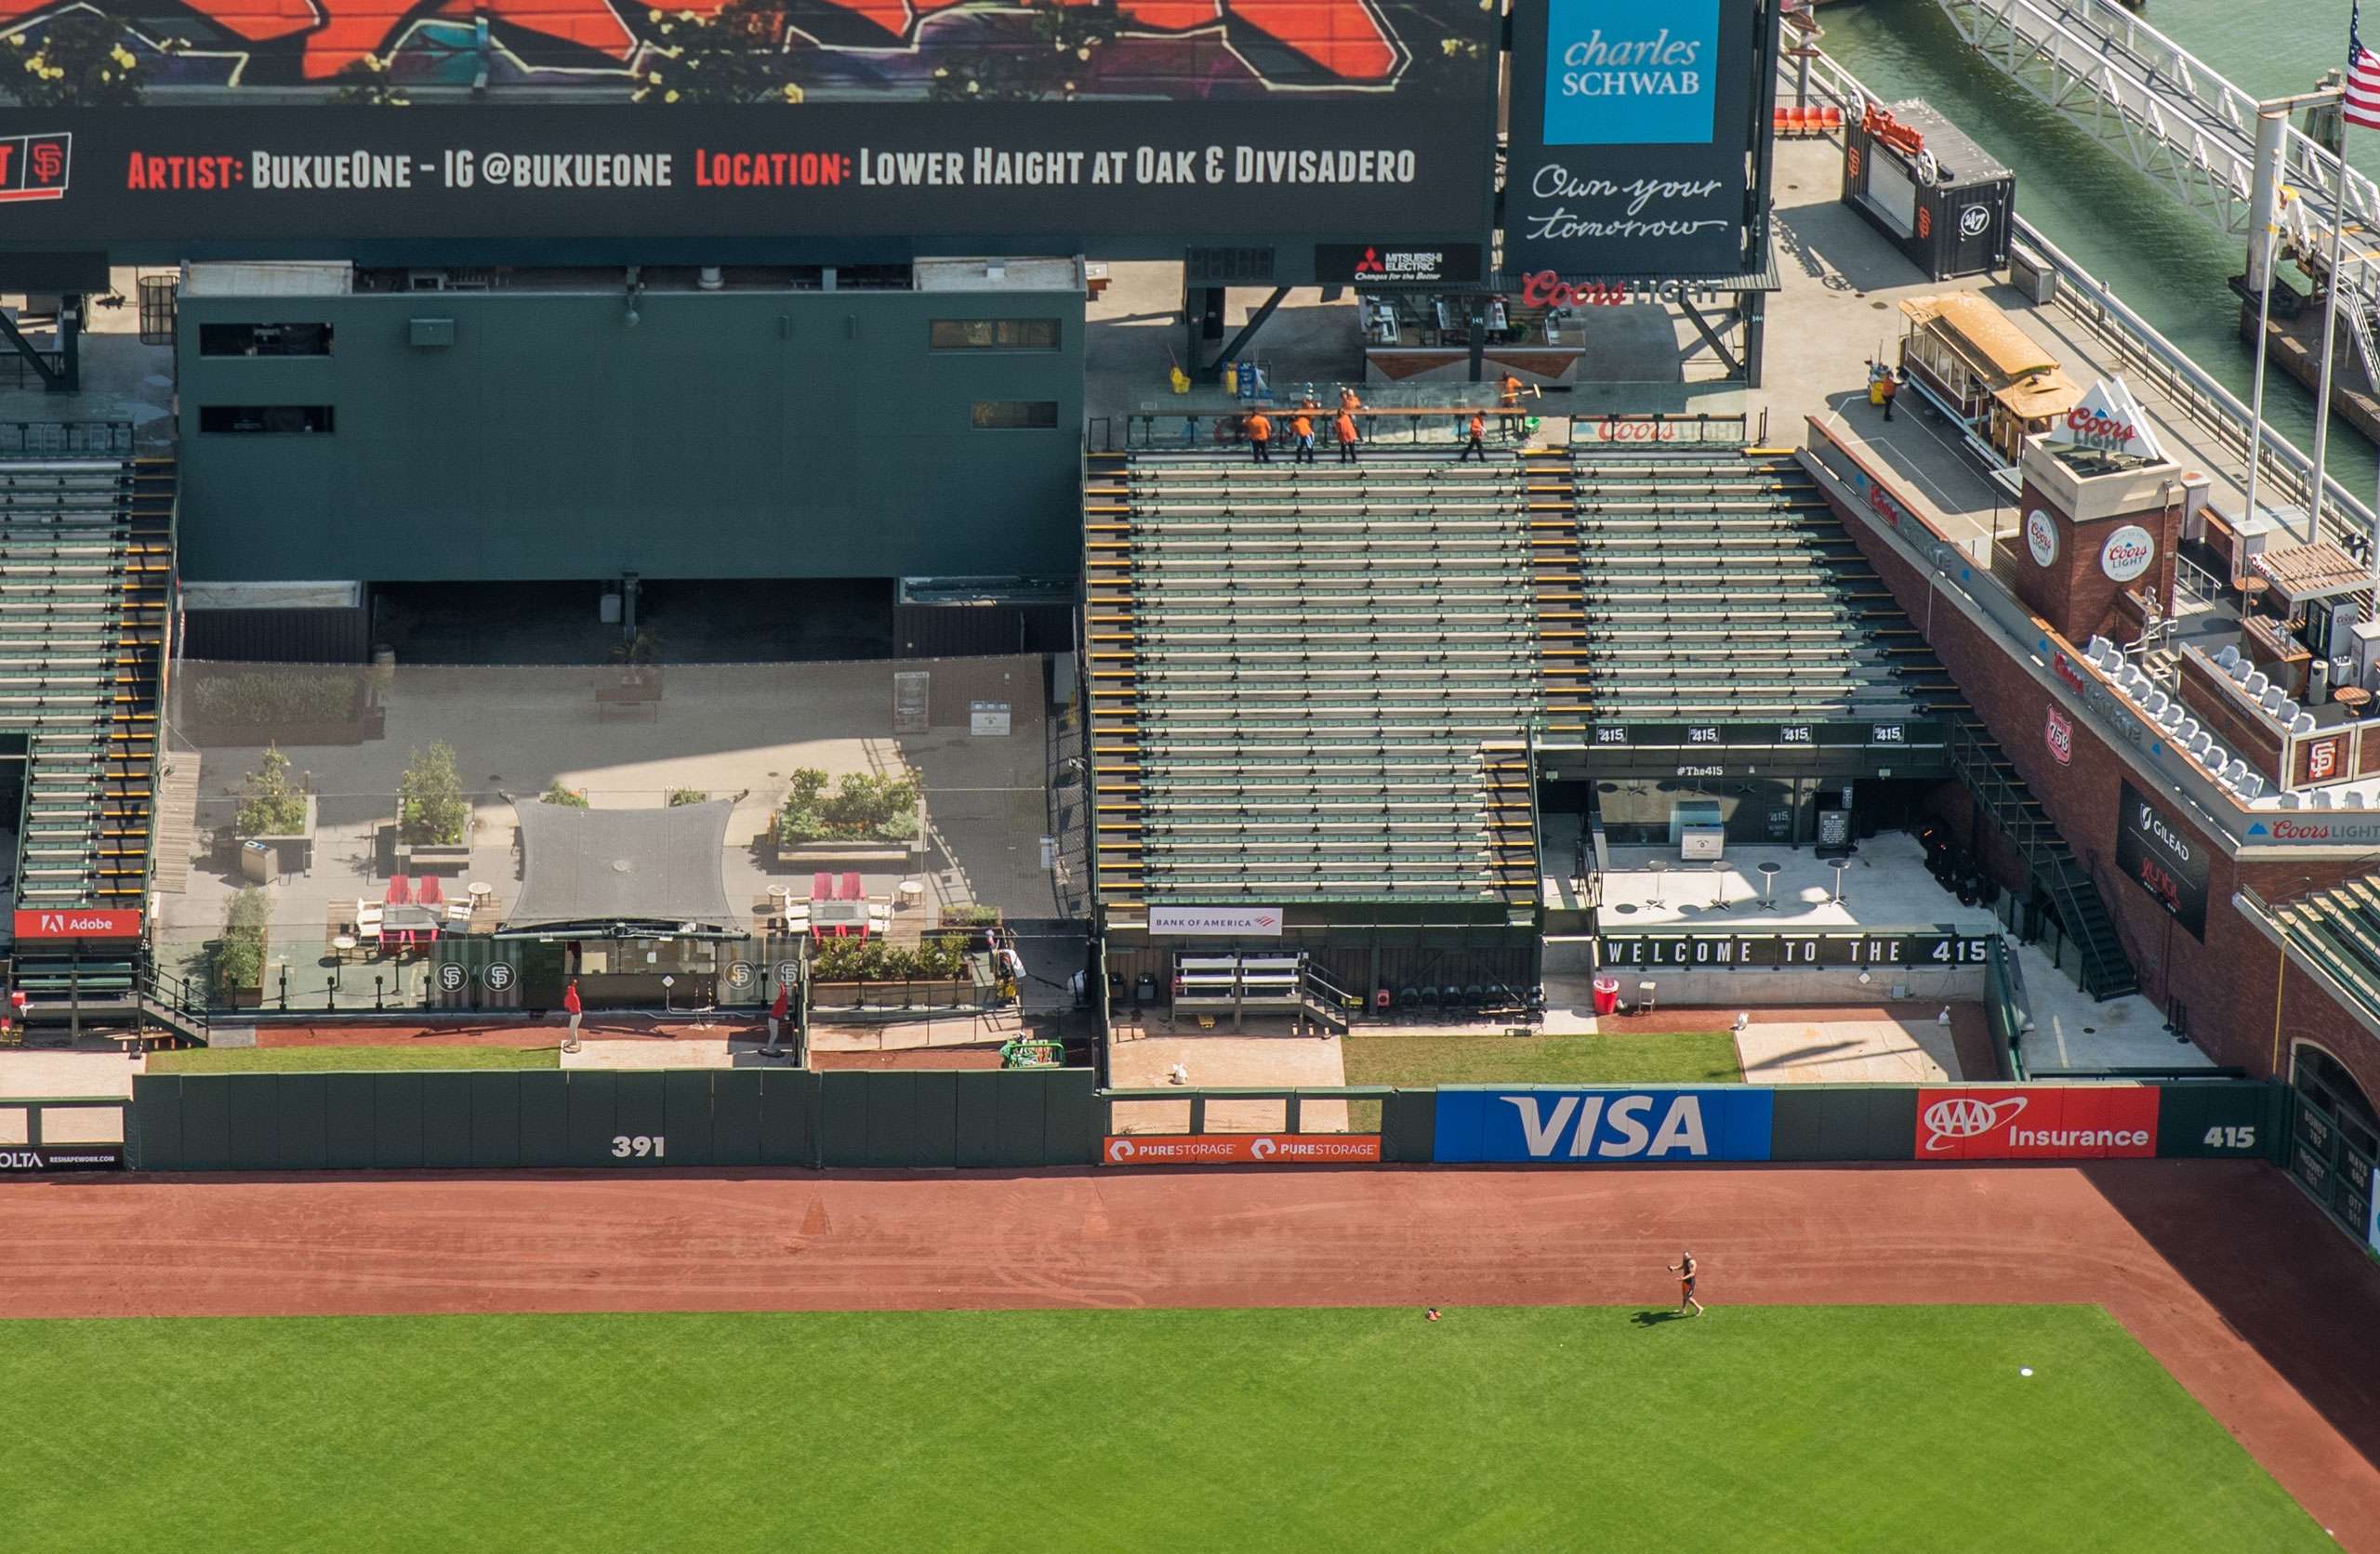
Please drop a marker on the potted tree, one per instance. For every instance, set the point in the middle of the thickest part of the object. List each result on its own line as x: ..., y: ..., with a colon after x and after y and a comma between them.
x: 274, y: 810
x: 433, y: 818
x: 239, y: 955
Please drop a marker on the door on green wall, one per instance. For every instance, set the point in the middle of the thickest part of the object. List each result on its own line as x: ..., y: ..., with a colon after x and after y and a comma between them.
x: 2335, y: 1139
x: 541, y: 974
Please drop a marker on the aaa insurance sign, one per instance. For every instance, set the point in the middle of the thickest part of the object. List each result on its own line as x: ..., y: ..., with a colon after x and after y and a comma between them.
x: 77, y: 923
x: 1560, y: 1125
x: 2042, y: 1121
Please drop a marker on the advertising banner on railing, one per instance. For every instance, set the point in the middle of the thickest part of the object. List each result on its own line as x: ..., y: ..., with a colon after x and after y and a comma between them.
x: 2038, y: 1122
x: 1633, y: 137
x: 63, y: 1157
x: 1550, y: 1124
x: 1241, y: 1148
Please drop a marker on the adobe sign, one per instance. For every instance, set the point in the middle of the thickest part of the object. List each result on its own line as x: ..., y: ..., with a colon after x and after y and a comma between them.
x: 77, y: 923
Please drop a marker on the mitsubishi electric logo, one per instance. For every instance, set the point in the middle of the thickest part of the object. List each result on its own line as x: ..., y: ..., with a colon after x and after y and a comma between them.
x: 1965, y: 1117
x: 1369, y: 264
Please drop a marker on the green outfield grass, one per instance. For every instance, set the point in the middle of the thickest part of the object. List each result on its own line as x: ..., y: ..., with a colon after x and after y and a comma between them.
x: 317, y: 1059
x: 1777, y: 1430
x: 1683, y: 1058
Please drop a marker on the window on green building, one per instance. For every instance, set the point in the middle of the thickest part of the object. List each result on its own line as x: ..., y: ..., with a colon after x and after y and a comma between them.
x: 265, y: 417
x: 1015, y: 414
x: 993, y: 334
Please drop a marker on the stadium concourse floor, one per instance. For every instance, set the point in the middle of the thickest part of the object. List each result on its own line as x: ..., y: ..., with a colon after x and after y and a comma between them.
x: 2223, y: 1271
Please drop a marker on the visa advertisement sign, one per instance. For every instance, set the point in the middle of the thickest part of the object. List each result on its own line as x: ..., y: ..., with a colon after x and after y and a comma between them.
x: 1620, y: 72
x: 1526, y: 1124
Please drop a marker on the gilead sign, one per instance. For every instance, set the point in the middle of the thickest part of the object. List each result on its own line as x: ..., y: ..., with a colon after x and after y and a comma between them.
x: 77, y: 923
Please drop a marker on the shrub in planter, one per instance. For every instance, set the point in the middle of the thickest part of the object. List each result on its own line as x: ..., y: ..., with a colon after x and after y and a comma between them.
x: 239, y: 955
x: 861, y: 808
x: 873, y: 960
x: 972, y: 916
x: 687, y: 795
x: 274, y: 698
x: 570, y: 799
x: 432, y: 810
x: 270, y: 805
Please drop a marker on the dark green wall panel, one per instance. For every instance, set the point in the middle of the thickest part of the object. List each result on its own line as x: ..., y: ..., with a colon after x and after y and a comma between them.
x: 350, y: 1097
x: 2216, y: 1120
x: 594, y: 1115
x: 305, y: 1107
x: 255, y: 1123
x: 842, y: 1116
x: 1020, y: 1126
x: 977, y: 1121
x: 446, y: 1119
x: 1797, y: 1123
x: 1409, y: 1120
x: 686, y: 1115
x: 735, y: 1117
x: 892, y: 1117
x: 495, y: 1119
x: 397, y: 1121
x: 207, y: 1122
x: 544, y: 1118
x: 157, y: 1122
x: 1072, y: 1123
x: 641, y: 1111
x: 830, y: 441
x: 934, y: 1094
x: 789, y: 1109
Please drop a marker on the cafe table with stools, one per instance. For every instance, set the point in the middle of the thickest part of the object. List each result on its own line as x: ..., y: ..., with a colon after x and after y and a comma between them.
x: 2352, y: 699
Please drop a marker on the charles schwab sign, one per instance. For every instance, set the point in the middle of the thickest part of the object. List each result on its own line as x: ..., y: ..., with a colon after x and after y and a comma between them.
x: 1632, y: 135
x: 2164, y: 857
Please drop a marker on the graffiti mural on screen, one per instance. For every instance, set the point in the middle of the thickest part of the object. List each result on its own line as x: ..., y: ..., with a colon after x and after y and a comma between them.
x: 948, y: 49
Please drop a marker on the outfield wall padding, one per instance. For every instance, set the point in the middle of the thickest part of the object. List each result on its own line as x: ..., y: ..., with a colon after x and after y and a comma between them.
x: 2244, y: 1119
x: 531, y: 1119
x: 1843, y: 1122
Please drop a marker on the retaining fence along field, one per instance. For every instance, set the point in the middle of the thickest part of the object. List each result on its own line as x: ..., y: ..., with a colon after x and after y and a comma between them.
x: 1011, y: 1119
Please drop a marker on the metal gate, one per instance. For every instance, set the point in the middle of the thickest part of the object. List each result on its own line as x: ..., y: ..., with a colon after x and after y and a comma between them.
x: 2333, y: 1156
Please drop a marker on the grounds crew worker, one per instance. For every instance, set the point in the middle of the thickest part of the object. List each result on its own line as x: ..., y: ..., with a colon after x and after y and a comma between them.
x: 1512, y: 402
x: 570, y: 1006
x: 1345, y: 427
x: 776, y: 1020
x: 1259, y: 436
x: 1478, y: 435
x: 1350, y: 403
x: 1302, y: 427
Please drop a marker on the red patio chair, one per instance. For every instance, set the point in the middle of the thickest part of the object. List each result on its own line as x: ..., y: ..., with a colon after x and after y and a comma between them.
x: 399, y: 891
x: 821, y: 886
x: 850, y: 886
x: 431, y: 893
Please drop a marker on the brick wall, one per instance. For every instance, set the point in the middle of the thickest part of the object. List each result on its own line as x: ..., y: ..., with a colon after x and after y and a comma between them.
x: 2228, y: 983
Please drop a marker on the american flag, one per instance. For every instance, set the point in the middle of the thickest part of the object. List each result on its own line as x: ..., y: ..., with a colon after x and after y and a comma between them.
x: 2363, y: 105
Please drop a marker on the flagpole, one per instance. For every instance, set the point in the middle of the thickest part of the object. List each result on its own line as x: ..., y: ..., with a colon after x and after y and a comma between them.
x: 2330, y: 350
x: 2256, y: 398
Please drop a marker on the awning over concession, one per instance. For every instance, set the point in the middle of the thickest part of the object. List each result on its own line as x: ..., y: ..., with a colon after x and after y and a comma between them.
x: 607, y: 872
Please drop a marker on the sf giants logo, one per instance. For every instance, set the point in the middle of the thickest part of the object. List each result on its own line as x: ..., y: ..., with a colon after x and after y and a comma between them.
x: 34, y: 167
x: 1284, y: 43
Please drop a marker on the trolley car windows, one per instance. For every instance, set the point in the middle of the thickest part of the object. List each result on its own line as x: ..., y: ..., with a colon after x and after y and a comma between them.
x: 1015, y: 414
x: 264, y: 339
x: 993, y: 334
x: 264, y: 418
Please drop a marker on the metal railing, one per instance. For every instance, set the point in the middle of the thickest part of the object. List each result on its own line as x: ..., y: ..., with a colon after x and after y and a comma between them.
x: 2209, y: 405
x: 65, y: 439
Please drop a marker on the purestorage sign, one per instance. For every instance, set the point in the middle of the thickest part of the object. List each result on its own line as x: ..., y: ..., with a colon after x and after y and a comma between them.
x: 1621, y: 73
x: 1563, y: 1126
x: 1632, y: 134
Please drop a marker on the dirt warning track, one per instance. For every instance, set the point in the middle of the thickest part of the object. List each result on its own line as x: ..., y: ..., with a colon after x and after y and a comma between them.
x: 2223, y: 1271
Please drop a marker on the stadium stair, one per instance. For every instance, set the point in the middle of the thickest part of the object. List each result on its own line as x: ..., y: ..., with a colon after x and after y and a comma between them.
x: 1313, y: 683
x: 85, y: 568
x: 1720, y: 584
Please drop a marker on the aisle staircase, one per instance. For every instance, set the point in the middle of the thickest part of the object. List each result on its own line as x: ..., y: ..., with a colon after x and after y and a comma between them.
x: 1309, y: 683
x: 85, y: 568
x: 1721, y: 585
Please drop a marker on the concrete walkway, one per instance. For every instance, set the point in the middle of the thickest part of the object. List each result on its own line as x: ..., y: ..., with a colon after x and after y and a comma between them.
x: 1220, y: 1061
x: 1848, y: 1052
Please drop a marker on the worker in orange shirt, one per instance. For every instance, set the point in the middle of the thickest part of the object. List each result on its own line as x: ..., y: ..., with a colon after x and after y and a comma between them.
x: 1345, y: 425
x: 1350, y: 403
x: 1511, y: 388
x: 1478, y: 438
x: 1259, y: 436
x: 1301, y: 428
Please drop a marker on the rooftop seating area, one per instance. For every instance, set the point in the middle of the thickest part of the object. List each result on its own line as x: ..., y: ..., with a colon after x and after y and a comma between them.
x: 85, y: 556
x: 1312, y: 683
x: 1719, y: 586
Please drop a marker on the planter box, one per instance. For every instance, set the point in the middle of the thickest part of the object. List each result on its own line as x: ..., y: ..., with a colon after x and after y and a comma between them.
x: 877, y: 856
x: 433, y: 857
x: 293, y: 852
x: 893, y: 995
x: 240, y: 998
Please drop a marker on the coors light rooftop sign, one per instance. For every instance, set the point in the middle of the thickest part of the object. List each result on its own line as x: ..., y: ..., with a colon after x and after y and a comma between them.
x: 2108, y: 421
x: 1633, y: 136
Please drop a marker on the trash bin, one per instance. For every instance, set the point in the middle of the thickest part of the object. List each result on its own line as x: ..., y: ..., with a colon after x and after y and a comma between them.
x: 255, y: 863
x: 1606, y: 996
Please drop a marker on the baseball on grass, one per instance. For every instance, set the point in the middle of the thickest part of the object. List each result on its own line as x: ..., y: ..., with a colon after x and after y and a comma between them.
x: 2024, y: 1370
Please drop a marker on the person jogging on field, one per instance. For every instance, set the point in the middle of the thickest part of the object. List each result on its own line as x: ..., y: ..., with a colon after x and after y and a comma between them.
x: 1345, y: 425
x: 1684, y: 1269
x: 777, y: 1022
x: 1259, y: 436
x: 1478, y: 439
x: 570, y: 1006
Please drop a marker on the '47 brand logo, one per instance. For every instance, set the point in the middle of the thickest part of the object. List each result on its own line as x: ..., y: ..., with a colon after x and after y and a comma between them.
x: 34, y: 167
x: 1290, y: 43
